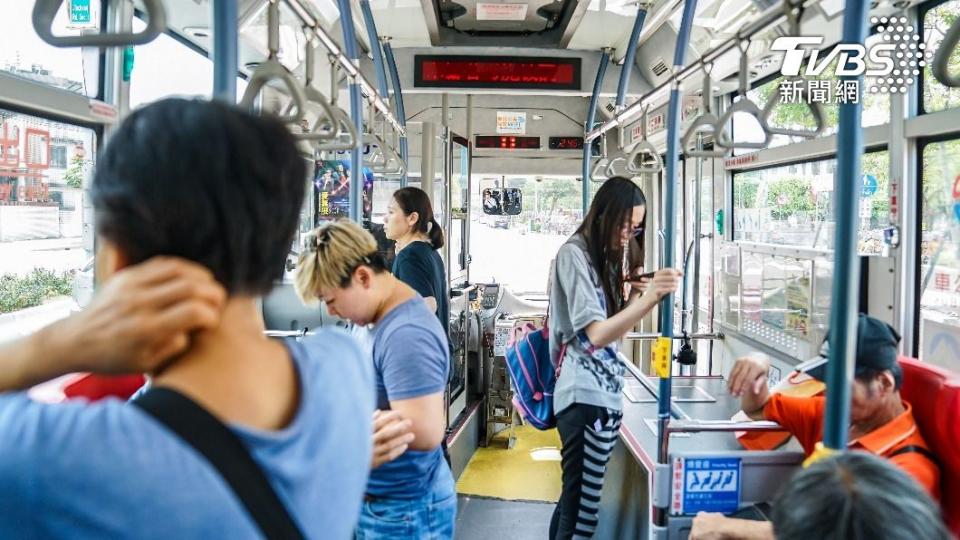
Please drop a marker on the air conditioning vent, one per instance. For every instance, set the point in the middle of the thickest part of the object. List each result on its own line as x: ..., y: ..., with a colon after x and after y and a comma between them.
x: 659, y: 68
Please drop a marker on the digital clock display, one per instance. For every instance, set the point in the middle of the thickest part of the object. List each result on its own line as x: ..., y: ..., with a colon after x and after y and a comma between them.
x: 566, y: 143
x: 508, y: 72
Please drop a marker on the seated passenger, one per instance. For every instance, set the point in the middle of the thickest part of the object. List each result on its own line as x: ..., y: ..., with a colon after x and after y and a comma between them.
x: 880, y: 422
x: 846, y: 496
x: 412, y: 496
x: 218, y: 186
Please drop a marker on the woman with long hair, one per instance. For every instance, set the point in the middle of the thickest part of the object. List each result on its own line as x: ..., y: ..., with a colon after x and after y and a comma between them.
x: 410, y: 223
x: 595, y: 299
x: 412, y: 496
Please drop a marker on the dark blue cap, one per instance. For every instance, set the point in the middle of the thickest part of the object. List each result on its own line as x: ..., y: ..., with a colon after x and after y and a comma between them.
x: 876, y: 349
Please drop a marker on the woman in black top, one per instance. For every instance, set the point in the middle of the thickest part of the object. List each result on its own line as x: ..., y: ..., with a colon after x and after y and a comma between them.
x: 409, y: 222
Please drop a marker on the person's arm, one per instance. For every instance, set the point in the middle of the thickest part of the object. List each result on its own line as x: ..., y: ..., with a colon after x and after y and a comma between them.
x: 142, y: 317
x: 712, y: 526
x: 748, y: 380
x: 426, y: 415
x: 604, y: 332
x: 414, y: 368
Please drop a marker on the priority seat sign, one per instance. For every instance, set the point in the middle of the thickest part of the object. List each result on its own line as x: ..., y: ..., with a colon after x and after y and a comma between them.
x: 706, y: 484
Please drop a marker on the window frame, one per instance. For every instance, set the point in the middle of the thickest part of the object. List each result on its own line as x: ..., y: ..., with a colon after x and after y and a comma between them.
x: 798, y: 163
x: 922, y: 144
x: 922, y: 11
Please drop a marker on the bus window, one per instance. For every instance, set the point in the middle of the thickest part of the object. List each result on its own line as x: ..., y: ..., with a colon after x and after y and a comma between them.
x: 791, y: 204
x: 517, y: 250
x: 152, y: 79
x: 45, y: 268
x: 940, y: 236
x: 25, y: 55
x: 876, y: 110
x: 936, y: 22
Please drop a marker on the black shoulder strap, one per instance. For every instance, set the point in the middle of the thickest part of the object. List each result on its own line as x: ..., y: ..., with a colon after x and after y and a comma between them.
x: 227, y: 453
x: 915, y: 449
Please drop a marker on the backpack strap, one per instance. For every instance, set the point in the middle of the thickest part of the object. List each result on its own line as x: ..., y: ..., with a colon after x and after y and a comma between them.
x: 911, y: 448
x: 228, y: 455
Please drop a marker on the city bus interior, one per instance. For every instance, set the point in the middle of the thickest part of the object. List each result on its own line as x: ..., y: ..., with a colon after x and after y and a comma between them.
x: 511, y: 115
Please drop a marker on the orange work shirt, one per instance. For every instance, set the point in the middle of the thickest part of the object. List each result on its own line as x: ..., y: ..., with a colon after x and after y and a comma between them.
x: 803, y: 417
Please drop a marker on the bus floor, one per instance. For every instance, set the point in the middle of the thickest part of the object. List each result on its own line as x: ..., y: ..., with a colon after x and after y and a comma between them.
x: 483, y: 519
x: 510, y: 492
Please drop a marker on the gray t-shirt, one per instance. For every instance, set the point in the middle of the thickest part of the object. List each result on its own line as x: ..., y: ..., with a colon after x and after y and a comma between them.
x: 576, y: 300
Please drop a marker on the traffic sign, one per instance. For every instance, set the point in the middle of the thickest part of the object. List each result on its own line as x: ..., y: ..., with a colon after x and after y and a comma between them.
x: 869, y: 185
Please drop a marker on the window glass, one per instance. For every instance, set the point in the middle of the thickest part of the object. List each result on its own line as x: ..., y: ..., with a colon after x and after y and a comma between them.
x: 517, y: 250
x: 25, y: 55
x: 777, y: 206
x: 876, y: 110
x: 45, y: 269
x: 936, y: 22
x: 153, y: 79
x: 940, y: 237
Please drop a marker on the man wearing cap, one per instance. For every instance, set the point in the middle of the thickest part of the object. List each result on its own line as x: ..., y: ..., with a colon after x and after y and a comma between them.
x: 880, y: 422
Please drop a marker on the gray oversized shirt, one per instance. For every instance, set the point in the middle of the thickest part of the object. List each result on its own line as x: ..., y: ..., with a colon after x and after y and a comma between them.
x: 576, y: 300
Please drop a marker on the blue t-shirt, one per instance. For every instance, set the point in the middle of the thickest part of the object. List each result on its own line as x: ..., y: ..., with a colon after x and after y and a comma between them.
x: 420, y: 266
x: 410, y: 359
x: 108, y: 470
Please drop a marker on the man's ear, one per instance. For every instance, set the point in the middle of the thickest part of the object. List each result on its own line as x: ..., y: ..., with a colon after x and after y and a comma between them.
x: 363, y: 276
x: 886, y: 381
x: 110, y: 259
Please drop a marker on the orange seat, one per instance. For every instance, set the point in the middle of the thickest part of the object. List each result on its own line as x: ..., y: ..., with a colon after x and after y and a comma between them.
x: 93, y: 387
x: 934, y: 394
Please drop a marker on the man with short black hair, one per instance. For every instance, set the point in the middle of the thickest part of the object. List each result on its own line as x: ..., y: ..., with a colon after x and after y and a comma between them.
x: 880, y: 421
x: 221, y: 188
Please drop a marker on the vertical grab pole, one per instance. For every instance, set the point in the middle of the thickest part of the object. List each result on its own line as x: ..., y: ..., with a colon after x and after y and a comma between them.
x: 670, y: 226
x: 375, y: 48
x: 356, y: 112
x: 397, y: 104
x: 630, y: 55
x: 846, y: 271
x: 591, y: 116
x: 225, y: 50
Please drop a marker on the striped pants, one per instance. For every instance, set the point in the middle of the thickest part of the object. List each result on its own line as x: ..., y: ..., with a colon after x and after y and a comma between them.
x: 588, y: 434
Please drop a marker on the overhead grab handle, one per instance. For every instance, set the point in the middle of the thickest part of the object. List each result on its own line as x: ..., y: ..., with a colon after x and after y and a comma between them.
x: 795, y: 87
x: 705, y: 123
x: 942, y: 58
x: 743, y: 105
x: 325, y: 127
x: 644, y: 158
x: 44, y: 12
x: 610, y: 171
x: 346, y: 139
x: 816, y: 111
x: 272, y: 70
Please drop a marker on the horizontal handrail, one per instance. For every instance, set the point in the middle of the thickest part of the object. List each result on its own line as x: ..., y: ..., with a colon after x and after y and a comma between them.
x: 352, y: 69
x: 637, y: 336
x: 698, y: 426
x: 771, y: 16
x: 44, y: 12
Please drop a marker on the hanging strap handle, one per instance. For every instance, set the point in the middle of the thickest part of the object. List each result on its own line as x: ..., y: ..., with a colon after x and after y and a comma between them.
x: 44, y: 12
x: 271, y: 69
x: 743, y: 105
x: 705, y: 123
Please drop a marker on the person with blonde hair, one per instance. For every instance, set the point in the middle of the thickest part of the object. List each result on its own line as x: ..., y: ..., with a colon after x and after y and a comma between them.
x: 412, y: 496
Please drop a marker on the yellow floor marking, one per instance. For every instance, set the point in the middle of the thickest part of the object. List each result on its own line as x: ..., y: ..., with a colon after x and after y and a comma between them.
x: 514, y: 474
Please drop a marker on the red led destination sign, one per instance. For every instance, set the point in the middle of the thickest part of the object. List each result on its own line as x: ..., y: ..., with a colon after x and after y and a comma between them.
x: 505, y: 72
